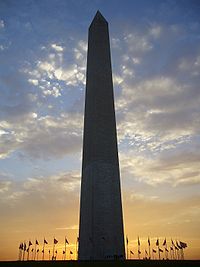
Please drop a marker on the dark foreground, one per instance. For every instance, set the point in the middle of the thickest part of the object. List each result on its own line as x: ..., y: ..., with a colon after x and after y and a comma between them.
x: 127, y: 263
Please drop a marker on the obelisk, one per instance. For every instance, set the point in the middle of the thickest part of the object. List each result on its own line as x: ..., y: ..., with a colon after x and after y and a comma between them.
x: 101, y: 234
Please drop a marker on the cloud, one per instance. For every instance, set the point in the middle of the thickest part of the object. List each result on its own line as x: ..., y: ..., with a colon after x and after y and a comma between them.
x: 4, y: 185
x: 2, y: 25
x: 175, y: 168
x: 57, y: 48
x: 43, y: 137
x: 49, y: 191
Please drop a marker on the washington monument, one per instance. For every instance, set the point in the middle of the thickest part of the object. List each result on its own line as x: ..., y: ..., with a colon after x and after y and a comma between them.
x: 101, y: 234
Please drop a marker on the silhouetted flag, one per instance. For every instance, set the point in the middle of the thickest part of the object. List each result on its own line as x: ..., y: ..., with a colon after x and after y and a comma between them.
x: 131, y: 252
x: 154, y: 250
x: 45, y: 241
x: 183, y: 245
x: 66, y: 241
x: 177, y: 244
x: 71, y: 252
x: 127, y: 240
x: 55, y: 241
x: 30, y: 244
x: 157, y: 242
x: 160, y: 250
x: 149, y: 241
x: 138, y: 241
x: 164, y: 242
x: 36, y: 242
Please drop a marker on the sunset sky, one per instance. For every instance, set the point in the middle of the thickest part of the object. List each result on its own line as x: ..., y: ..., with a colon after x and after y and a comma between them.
x: 155, y: 47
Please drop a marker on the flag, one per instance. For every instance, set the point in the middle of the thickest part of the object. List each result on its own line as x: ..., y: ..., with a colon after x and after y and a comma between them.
x: 127, y: 240
x: 157, y: 242
x: 30, y: 244
x: 131, y: 252
x: 138, y: 241
x: 63, y: 252
x: 183, y: 245
x: 66, y: 241
x: 71, y: 252
x: 149, y: 241
x: 55, y: 241
x: 154, y: 250
x: 139, y: 252
x: 160, y: 250
x: 166, y: 250
x: 164, y: 242
x: 36, y: 242
x: 177, y: 244
x: 45, y: 241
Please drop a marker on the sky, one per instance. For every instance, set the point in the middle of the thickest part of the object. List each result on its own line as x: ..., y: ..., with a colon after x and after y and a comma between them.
x: 155, y: 48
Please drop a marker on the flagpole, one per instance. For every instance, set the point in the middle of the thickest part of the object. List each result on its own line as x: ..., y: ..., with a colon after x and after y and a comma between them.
x: 53, y: 248
x: 138, y: 248
x: 149, y: 248
x: 35, y: 251
x: 20, y: 251
x: 127, y: 247
x: 166, y: 253
x: 65, y: 249
x: 43, y: 251
x: 28, y: 251
x: 77, y: 248
x: 158, y: 249
x: 24, y: 251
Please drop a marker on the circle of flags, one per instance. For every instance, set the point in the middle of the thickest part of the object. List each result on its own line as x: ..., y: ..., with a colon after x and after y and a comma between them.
x: 31, y: 250
x: 171, y: 250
